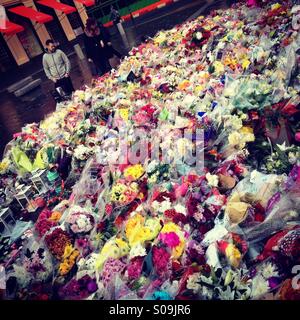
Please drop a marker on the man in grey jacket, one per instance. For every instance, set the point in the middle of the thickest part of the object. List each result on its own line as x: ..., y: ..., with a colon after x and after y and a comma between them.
x: 57, y: 67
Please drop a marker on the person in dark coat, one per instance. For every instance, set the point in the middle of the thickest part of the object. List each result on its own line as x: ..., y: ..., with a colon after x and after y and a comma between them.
x: 107, y: 39
x: 96, y: 47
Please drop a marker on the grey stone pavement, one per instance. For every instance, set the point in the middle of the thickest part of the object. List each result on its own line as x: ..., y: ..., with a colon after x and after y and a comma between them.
x: 34, y: 106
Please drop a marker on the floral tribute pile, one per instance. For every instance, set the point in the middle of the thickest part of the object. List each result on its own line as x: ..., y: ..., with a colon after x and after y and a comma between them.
x: 154, y: 229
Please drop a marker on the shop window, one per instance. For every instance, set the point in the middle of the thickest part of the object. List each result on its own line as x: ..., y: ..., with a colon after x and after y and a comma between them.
x: 74, y: 17
x: 29, y: 41
x: 55, y: 29
x: 28, y: 37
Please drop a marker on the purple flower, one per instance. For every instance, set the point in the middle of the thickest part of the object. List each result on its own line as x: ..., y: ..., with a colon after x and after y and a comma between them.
x: 274, y: 282
x: 92, y: 286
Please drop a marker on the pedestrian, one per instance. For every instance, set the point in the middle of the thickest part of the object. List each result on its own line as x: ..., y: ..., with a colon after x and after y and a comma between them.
x: 107, y: 39
x: 117, y: 21
x: 96, y: 47
x: 57, y: 67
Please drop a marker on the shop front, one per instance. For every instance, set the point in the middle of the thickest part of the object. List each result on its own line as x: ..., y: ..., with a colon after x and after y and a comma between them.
x: 28, y: 37
x: 38, y: 21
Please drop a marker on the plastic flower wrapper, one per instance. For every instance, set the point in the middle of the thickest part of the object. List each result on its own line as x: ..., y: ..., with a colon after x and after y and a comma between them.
x: 282, y: 208
x: 33, y: 265
x: 138, y: 229
x: 111, y: 268
x: 265, y: 278
x: 220, y: 284
x: 231, y: 83
x: 282, y: 159
x: 78, y: 289
x: 115, y: 248
x: 282, y: 247
x: 123, y: 192
x: 79, y: 220
x: 256, y: 188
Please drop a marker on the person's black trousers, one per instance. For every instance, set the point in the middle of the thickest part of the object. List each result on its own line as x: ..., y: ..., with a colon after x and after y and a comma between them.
x: 66, y: 84
x: 115, y: 52
x: 102, y: 66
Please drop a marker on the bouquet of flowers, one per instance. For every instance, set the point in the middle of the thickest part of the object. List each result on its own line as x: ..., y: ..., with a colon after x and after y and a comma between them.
x: 56, y: 241
x: 80, y: 221
x: 124, y: 192
x: 68, y: 260
x: 34, y: 264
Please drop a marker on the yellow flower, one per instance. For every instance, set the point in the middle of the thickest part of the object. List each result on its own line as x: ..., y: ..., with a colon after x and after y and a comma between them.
x: 64, y: 268
x: 219, y: 67
x: 198, y: 89
x: 245, y: 64
x: 276, y: 6
x: 240, y: 138
x: 68, y: 251
x: 233, y: 255
x: 170, y: 227
x: 124, y: 114
x: 246, y: 130
x: 139, y: 231
x: 123, y: 246
x: 134, y: 172
x: 4, y: 165
x: 184, y: 85
x: 162, y: 37
x: 177, y: 251
x: 114, y: 248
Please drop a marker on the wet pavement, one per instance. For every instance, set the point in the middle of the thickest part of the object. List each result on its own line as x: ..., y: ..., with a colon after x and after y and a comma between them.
x: 34, y: 106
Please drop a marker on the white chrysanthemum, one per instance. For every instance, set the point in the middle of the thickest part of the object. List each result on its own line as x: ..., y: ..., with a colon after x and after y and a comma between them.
x: 193, y: 282
x: 137, y: 251
x: 152, y: 165
x: 207, y: 293
x: 81, y: 222
x: 212, y: 180
x: 260, y: 286
x: 233, y: 122
x: 269, y: 270
x: 161, y: 206
x: 199, y: 35
x: 180, y: 208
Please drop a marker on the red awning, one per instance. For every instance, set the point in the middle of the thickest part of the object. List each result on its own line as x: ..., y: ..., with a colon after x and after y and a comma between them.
x: 31, y: 14
x: 11, y: 28
x: 57, y: 6
x: 87, y: 3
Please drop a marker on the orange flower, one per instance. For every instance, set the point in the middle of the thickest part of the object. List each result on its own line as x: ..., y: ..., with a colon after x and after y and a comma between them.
x: 55, y: 216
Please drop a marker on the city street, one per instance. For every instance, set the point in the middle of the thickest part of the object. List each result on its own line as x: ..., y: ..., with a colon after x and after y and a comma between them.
x: 34, y: 106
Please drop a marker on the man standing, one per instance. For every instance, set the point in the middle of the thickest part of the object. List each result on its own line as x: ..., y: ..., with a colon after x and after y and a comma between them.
x: 57, y: 67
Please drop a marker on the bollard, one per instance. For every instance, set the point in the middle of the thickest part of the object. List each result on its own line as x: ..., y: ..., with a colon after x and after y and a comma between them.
x: 79, y: 52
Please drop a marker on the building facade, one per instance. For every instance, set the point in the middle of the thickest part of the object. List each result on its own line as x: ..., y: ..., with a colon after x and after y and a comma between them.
x: 29, y: 29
